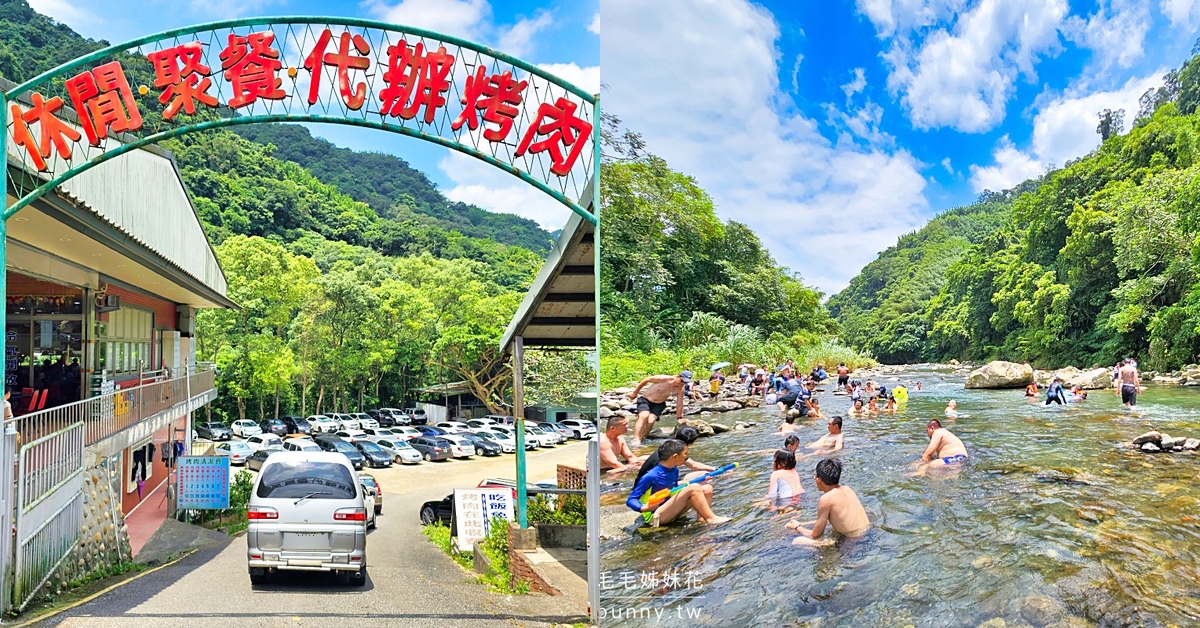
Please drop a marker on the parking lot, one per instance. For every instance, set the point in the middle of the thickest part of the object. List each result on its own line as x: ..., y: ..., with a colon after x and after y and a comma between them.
x: 410, y: 581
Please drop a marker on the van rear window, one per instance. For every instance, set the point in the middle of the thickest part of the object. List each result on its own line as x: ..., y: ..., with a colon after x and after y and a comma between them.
x: 296, y: 479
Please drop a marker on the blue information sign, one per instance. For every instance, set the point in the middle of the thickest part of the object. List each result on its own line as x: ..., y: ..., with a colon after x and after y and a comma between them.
x: 203, y: 482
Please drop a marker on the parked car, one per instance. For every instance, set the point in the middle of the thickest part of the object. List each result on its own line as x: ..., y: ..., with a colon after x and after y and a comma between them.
x: 337, y: 445
x: 416, y: 416
x: 398, y: 416
x: 382, y: 417
x: 532, y: 441
x: 405, y: 432
x: 376, y: 433
x: 483, y: 447
x: 480, y: 424
x: 322, y: 423
x: 373, y: 484
x: 351, y: 436
x: 345, y: 421
x: 264, y: 441
x: 580, y: 428
x: 256, y: 459
x: 501, y: 419
x: 245, y: 427
x: 557, y: 428
x: 237, y: 451
x: 454, y: 427
x: 506, y: 443
x: 214, y: 431
x: 307, y: 512
x: 432, y: 448
x: 375, y: 455
x: 370, y: 501
x: 441, y: 510
x: 429, y: 430
x: 301, y: 444
x: 547, y: 438
x: 273, y: 426
x: 460, y: 447
x: 298, y: 425
x: 364, y: 420
x: 400, y: 450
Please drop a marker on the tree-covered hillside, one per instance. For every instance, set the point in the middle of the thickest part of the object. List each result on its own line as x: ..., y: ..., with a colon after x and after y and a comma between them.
x: 393, y: 188
x: 1093, y: 262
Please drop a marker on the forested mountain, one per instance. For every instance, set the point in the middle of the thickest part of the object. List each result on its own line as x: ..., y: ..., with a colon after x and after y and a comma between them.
x: 680, y: 288
x: 1093, y: 262
x: 357, y: 280
x: 393, y: 188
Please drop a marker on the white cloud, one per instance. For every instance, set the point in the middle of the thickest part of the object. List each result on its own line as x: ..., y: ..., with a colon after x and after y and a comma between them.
x: 763, y: 164
x: 947, y: 165
x: 796, y: 73
x: 1115, y: 33
x: 65, y: 12
x: 595, y: 25
x: 1181, y: 12
x: 462, y: 18
x: 1063, y: 129
x: 897, y: 16
x: 1010, y: 168
x: 585, y: 78
x: 518, y: 39
x: 486, y: 186
x: 963, y: 76
x: 857, y: 85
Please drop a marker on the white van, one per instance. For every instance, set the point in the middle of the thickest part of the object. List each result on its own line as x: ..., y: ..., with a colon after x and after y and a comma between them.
x: 307, y: 512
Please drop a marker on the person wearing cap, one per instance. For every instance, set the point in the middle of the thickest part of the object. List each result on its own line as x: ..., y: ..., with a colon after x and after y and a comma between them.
x: 652, y: 401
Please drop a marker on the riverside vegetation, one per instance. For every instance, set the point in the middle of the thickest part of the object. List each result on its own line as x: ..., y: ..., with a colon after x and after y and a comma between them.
x: 358, y: 279
x: 1084, y: 265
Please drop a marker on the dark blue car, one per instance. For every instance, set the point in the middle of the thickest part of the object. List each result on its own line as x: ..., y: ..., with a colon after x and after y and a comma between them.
x: 430, y: 430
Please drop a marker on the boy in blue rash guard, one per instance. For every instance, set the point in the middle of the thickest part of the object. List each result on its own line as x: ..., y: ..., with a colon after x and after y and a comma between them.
x: 665, y: 475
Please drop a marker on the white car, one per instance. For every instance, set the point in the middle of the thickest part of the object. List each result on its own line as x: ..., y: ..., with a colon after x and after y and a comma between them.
x: 547, y: 438
x: 506, y: 443
x: 580, y: 428
x: 346, y: 421
x: 376, y: 433
x: 548, y: 430
x: 300, y: 444
x: 245, y: 427
x: 237, y: 451
x: 454, y: 427
x: 264, y: 441
x: 481, y: 424
x: 459, y: 446
x: 532, y: 441
x: 365, y: 420
x: 400, y: 450
x: 404, y: 432
x: 351, y: 435
x: 322, y: 423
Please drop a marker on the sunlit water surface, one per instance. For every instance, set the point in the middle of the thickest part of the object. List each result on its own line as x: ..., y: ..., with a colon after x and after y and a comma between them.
x: 1049, y: 521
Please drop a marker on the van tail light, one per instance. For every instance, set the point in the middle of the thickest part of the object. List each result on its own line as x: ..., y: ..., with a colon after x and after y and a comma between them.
x: 350, y: 514
x: 261, y: 512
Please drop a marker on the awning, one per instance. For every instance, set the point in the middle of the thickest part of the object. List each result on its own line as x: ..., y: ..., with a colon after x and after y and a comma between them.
x: 446, y: 390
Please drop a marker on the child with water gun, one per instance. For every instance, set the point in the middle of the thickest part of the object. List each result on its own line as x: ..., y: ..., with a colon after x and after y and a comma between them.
x: 659, y: 499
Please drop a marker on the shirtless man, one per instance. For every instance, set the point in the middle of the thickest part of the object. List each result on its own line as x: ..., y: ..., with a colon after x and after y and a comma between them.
x: 653, y: 401
x: 613, y: 448
x: 944, y: 448
x: 831, y: 442
x: 843, y: 379
x: 838, y: 506
x: 1129, y: 383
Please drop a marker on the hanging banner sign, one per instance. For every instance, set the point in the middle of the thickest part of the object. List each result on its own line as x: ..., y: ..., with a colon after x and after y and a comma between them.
x: 464, y: 96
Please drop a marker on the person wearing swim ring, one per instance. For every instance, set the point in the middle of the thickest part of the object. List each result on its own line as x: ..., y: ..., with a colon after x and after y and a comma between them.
x: 944, y: 448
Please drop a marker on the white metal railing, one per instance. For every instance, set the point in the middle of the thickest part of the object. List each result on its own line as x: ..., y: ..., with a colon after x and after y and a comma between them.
x: 119, y: 410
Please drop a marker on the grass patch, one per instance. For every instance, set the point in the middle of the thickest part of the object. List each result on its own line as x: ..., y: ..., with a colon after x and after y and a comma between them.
x: 495, y: 546
x: 78, y: 589
x: 439, y: 535
x: 544, y: 509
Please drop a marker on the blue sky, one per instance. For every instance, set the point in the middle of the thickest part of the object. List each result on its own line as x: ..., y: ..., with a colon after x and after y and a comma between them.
x: 560, y: 35
x: 831, y: 128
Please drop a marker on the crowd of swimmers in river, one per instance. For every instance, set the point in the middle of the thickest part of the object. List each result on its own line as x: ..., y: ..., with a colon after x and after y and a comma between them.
x: 661, y: 495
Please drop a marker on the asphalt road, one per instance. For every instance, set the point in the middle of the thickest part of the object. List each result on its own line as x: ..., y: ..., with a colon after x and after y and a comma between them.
x: 410, y: 582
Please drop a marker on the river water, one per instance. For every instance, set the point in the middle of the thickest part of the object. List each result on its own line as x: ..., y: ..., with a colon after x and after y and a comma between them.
x: 1048, y: 523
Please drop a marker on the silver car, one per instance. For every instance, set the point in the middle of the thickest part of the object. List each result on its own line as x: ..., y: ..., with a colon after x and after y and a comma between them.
x: 308, y: 512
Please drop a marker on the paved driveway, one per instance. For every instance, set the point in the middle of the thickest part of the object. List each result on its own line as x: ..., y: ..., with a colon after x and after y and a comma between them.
x: 410, y: 582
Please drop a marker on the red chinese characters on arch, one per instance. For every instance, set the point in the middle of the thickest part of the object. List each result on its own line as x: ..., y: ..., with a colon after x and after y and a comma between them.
x: 183, y: 77
x: 343, y: 61
x: 252, y: 66
x: 497, y: 96
x: 415, y: 79
x: 104, y: 102
x: 53, y: 132
x: 560, y: 129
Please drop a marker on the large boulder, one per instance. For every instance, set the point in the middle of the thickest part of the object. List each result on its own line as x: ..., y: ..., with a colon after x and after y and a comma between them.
x: 701, y: 426
x: 1092, y: 379
x: 1149, y: 437
x: 721, y: 406
x: 1000, y: 374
